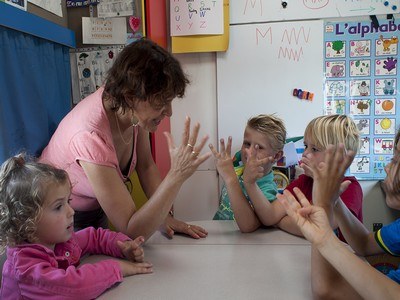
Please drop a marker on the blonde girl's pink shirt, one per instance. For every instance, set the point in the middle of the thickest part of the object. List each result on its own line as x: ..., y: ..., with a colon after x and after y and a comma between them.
x: 85, y: 135
x: 33, y: 271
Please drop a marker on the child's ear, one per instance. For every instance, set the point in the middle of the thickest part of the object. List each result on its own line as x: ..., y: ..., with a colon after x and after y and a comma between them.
x: 278, y: 155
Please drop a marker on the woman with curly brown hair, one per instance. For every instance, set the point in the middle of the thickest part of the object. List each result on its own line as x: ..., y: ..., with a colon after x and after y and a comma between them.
x: 105, y: 138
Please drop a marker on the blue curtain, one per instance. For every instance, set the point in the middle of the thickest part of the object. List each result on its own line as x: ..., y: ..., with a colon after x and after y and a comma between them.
x: 35, y: 91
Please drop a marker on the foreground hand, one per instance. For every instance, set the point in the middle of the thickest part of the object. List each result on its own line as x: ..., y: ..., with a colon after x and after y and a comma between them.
x: 328, y: 175
x: 185, y: 159
x: 172, y: 225
x: 256, y: 168
x: 312, y: 220
x: 131, y: 268
x: 223, y: 159
x: 132, y: 250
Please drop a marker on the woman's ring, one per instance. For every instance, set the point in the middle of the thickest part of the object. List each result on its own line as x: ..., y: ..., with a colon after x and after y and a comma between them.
x: 190, y: 145
x: 195, y: 154
x: 188, y: 227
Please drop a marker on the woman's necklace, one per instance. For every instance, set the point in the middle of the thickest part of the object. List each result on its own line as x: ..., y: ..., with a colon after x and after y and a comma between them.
x: 120, y: 132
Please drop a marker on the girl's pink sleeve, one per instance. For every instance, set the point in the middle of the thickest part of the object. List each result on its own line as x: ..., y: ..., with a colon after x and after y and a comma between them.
x: 100, y: 241
x: 39, y: 279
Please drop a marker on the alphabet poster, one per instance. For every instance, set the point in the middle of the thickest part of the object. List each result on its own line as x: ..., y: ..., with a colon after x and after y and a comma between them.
x: 361, y: 80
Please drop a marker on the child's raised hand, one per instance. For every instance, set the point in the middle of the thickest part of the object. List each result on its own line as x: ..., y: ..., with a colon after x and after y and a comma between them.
x: 312, y: 220
x: 223, y: 159
x: 132, y: 250
x: 131, y: 268
x: 328, y: 175
x: 255, y: 168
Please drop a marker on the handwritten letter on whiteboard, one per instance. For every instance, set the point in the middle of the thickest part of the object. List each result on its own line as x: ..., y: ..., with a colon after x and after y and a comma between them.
x: 195, y: 17
x: 258, y: 73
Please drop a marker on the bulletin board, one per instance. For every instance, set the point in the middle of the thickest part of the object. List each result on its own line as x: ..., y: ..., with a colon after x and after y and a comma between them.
x: 256, y: 11
x: 361, y: 72
x: 263, y: 65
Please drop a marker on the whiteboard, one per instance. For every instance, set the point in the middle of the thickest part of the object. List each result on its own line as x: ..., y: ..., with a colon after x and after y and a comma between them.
x: 258, y: 73
x: 256, y: 11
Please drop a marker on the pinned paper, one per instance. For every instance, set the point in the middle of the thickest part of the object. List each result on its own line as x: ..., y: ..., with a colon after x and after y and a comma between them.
x: 104, y: 31
x: 204, y: 43
x: 290, y: 154
x: 196, y: 17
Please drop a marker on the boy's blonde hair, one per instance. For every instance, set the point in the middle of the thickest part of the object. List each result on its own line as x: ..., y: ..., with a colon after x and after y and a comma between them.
x: 23, y: 187
x: 273, y: 128
x: 333, y: 129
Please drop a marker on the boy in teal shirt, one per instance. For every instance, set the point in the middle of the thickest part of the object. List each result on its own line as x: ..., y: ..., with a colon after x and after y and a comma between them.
x: 249, y: 174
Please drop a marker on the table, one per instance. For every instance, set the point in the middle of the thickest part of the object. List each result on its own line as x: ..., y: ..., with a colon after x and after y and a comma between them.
x: 266, y: 264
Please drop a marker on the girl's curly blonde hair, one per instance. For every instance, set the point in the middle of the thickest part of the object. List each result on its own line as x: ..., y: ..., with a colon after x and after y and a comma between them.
x: 23, y: 186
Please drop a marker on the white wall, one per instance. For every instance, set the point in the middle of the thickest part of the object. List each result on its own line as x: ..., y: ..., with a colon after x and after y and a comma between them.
x: 198, y: 198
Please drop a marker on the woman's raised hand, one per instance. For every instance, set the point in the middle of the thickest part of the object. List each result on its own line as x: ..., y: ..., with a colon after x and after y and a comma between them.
x: 186, y: 158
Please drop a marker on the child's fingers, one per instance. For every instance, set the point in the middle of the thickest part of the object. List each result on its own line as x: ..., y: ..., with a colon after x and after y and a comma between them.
x: 343, y: 186
x: 222, y: 146
x: 266, y: 160
x: 302, y: 198
x: 291, y: 200
x: 283, y: 199
x: 143, y: 268
x: 213, y: 150
x: 203, y: 141
x: 229, y: 146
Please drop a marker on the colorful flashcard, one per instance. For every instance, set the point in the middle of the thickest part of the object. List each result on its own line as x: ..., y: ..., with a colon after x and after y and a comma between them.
x: 360, y: 48
x: 386, y: 66
x: 364, y: 145
x: 335, y: 49
x: 383, y: 145
x: 360, y: 67
x: 385, y: 106
x: 360, y: 165
x: 384, y: 126
x: 360, y: 107
x: 386, y: 45
x: 363, y: 126
x: 360, y: 87
x: 335, y: 107
x: 335, y: 69
x: 385, y: 87
x: 335, y: 88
